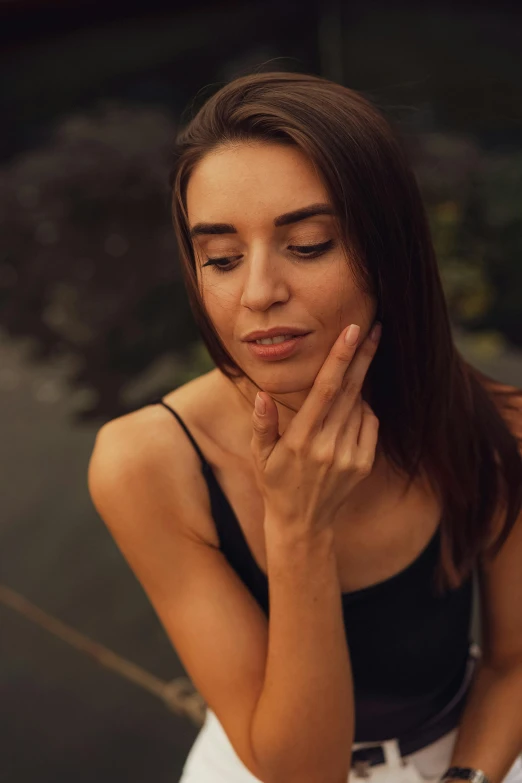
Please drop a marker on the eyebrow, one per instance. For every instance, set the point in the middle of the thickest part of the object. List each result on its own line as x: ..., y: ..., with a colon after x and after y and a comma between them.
x: 283, y: 220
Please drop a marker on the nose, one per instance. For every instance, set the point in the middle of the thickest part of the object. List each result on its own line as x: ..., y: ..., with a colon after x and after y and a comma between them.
x: 264, y: 282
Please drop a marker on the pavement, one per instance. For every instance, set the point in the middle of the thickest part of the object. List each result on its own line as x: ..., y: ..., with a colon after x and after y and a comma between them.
x: 71, y: 710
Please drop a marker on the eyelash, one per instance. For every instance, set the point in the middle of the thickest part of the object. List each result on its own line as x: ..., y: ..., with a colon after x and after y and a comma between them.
x: 317, y: 250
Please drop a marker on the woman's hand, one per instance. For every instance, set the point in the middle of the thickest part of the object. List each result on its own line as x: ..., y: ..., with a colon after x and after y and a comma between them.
x: 306, y: 475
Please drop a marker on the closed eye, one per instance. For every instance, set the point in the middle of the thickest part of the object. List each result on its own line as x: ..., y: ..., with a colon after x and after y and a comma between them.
x: 307, y: 251
x: 314, y: 249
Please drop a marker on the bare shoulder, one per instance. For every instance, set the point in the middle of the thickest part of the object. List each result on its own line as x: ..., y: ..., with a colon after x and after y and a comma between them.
x: 149, y: 445
x: 508, y: 401
x: 190, y: 400
x: 147, y: 485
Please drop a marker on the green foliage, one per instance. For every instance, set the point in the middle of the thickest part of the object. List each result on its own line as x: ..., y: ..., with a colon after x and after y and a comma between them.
x: 474, y: 202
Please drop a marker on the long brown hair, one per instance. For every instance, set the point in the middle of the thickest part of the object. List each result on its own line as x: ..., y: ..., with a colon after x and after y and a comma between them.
x: 435, y: 414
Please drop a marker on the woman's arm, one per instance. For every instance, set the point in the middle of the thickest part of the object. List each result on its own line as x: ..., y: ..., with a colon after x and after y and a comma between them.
x: 303, y: 727
x: 490, y: 733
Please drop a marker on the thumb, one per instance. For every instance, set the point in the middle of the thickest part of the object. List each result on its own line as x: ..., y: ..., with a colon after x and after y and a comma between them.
x: 265, y: 427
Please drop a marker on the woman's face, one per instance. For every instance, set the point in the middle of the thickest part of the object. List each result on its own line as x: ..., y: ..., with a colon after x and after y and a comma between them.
x: 269, y: 281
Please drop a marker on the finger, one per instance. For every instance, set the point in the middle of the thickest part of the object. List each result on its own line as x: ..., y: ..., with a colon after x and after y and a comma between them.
x: 344, y: 369
x: 343, y: 423
x: 355, y: 375
x: 368, y: 438
x: 265, y: 428
x: 325, y: 387
x: 353, y: 381
x: 358, y: 442
x: 351, y: 387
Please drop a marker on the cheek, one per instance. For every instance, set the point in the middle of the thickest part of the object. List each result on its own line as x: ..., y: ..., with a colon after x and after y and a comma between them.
x: 221, y: 307
x: 337, y: 301
x: 220, y: 297
x: 330, y: 290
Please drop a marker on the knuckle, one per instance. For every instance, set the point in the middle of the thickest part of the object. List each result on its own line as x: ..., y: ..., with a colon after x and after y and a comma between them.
x: 326, y: 391
x: 373, y: 418
x: 347, y: 354
x: 324, y: 455
x: 346, y: 460
x: 364, y: 468
x: 296, y: 445
x: 350, y: 385
x: 368, y: 410
x: 260, y: 429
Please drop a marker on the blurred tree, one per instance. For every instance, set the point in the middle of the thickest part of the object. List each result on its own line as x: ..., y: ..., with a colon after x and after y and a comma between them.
x: 474, y: 202
x: 499, y: 189
x: 88, y: 263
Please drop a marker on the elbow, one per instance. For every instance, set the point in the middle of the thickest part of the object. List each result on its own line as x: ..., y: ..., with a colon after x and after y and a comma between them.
x: 280, y: 759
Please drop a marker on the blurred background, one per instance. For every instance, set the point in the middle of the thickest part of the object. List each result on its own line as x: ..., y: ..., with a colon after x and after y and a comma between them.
x: 94, y: 320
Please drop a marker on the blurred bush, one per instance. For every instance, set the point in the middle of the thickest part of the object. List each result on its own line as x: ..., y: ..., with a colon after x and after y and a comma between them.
x: 88, y: 266
x: 474, y: 203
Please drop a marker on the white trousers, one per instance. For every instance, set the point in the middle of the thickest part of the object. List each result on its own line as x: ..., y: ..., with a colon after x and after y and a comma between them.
x: 212, y: 759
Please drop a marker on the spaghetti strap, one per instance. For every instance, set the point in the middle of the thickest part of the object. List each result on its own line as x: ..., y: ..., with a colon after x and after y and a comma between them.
x: 159, y: 400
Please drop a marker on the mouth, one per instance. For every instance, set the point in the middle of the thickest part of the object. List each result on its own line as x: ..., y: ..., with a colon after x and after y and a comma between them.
x: 277, y: 340
x: 279, y: 350
x: 281, y: 330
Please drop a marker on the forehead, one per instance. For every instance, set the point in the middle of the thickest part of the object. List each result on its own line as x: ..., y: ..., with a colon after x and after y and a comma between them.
x: 250, y: 178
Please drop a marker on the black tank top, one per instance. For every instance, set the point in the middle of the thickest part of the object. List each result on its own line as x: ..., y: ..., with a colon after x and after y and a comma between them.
x: 408, y: 647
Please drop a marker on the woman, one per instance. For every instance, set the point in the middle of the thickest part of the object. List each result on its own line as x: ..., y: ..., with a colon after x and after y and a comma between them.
x: 312, y: 564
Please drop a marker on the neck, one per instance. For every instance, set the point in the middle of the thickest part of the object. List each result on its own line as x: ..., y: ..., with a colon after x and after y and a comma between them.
x: 240, y: 395
x: 288, y: 404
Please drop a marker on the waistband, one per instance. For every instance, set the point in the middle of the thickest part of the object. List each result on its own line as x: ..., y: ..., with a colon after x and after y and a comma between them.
x: 372, y: 753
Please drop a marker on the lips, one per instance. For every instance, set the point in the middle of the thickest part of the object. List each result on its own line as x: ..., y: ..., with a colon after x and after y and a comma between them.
x: 287, y: 336
x: 276, y: 351
x: 276, y: 331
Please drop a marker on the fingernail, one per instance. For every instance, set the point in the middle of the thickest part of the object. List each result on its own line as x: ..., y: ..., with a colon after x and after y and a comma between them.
x: 376, y: 332
x: 352, y: 334
x: 260, y: 405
